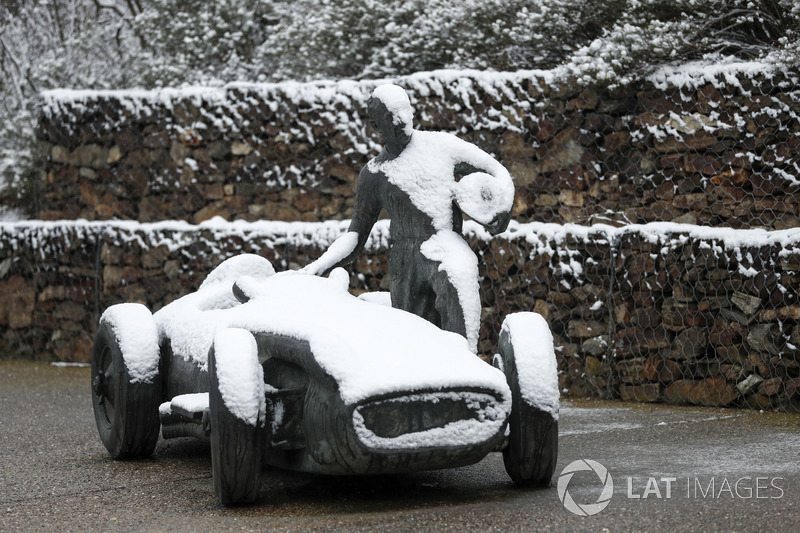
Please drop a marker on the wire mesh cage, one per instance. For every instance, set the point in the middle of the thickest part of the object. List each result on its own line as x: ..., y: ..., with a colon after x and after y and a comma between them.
x: 655, y: 224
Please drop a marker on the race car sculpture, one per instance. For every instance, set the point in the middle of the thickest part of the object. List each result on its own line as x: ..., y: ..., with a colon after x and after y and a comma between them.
x: 293, y: 371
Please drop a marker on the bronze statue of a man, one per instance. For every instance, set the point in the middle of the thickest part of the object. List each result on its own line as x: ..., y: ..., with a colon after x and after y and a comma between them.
x: 433, y: 272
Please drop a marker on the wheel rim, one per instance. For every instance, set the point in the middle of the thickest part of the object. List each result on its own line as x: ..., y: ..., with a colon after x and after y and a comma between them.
x: 104, y: 385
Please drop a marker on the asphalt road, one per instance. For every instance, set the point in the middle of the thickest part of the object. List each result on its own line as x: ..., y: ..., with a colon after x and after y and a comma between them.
x: 673, y: 469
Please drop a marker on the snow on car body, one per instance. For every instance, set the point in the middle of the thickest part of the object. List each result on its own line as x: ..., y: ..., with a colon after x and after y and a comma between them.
x: 311, y: 377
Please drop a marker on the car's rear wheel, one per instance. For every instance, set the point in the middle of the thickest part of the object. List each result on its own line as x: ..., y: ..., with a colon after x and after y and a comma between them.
x: 532, y: 450
x: 237, y: 420
x: 126, y: 400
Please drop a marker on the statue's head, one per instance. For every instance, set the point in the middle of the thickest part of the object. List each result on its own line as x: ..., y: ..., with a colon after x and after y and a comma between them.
x: 391, y: 114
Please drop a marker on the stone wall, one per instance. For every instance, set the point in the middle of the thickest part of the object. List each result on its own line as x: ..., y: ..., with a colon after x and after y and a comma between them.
x: 631, y: 233
x: 660, y: 312
x: 710, y: 146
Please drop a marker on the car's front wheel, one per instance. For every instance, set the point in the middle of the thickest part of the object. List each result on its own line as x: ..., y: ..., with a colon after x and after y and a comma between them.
x: 126, y: 385
x: 237, y: 407
x: 527, y: 358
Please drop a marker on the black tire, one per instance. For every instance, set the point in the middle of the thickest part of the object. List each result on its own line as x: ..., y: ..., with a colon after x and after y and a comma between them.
x: 532, y: 450
x: 236, y: 445
x: 125, y: 409
x: 327, y: 425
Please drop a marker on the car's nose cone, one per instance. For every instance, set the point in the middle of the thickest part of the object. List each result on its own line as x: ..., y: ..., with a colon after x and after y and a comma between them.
x: 429, y: 420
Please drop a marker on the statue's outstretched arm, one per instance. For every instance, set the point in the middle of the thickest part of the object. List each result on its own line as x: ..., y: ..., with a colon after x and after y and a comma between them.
x: 346, y: 248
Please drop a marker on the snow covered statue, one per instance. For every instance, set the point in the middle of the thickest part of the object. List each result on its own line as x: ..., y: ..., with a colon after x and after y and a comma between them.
x: 293, y: 371
x: 433, y: 272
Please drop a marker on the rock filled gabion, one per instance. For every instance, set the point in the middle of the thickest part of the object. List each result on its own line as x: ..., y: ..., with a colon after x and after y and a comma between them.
x: 656, y: 312
x: 714, y: 147
x: 655, y: 226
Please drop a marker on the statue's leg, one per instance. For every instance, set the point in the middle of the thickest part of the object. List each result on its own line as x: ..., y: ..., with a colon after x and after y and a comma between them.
x: 449, y: 304
x: 410, y: 282
x: 453, y: 271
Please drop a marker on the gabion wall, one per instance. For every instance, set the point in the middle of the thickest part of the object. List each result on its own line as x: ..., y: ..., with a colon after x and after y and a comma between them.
x: 714, y: 147
x: 656, y: 225
x: 657, y: 312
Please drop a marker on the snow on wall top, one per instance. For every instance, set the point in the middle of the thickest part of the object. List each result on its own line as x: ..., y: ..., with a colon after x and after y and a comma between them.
x: 314, y: 137
x: 463, y: 83
x: 225, y: 108
x: 324, y: 233
x: 559, y: 242
x: 326, y: 91
x: 175, y: 234
x: 697, y: 73
x: 483, y: 100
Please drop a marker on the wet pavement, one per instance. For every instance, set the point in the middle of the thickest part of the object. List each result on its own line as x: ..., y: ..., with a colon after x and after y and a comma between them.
x: 672, y: 468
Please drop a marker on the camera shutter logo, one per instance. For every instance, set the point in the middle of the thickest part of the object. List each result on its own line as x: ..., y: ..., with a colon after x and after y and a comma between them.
x: 585, y: 509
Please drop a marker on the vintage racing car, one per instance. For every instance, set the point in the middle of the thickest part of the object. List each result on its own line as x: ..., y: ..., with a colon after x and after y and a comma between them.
x: 293, y: 371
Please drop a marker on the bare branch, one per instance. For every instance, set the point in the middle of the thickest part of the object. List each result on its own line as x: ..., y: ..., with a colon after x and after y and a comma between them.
x: 100, y: 6
x: 134, y: 6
